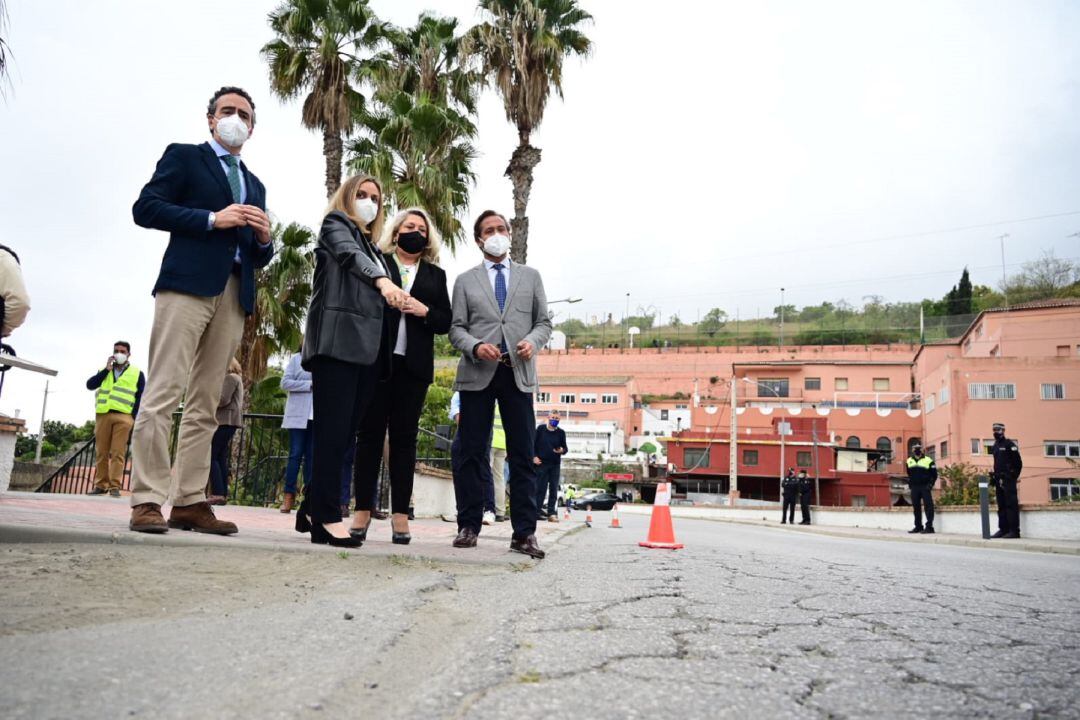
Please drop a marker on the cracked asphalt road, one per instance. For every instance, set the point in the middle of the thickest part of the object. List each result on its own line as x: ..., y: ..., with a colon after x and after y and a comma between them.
x: 746, y: 622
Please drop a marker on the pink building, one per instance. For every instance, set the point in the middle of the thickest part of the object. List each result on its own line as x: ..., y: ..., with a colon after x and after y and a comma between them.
x: 1019, y: 366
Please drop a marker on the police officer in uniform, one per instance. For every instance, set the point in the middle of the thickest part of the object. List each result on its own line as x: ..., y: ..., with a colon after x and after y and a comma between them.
x: 805, y: 488
x: 789, y: 488
x: 922, y: 474
x: 1007, y: 466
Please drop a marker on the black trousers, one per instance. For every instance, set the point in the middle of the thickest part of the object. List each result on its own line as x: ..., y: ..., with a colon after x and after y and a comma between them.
x: 341, y: 392
x: 395, y: 407
x: 547, y: 483
x: 921, y: 496
x: 804, y: 502
x: 219, y: 459
x: 474, y: 432
x: 788, y: 511
x: 1008, y: 506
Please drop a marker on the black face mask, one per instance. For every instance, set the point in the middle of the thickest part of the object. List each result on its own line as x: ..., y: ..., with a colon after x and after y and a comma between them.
x: 412, y: 242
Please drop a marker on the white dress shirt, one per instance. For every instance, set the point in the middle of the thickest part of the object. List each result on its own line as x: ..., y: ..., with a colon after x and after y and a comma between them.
x: 408, y: 277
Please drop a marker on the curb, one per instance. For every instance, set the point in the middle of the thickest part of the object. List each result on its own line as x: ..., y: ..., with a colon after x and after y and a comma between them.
x: 33, y: 534
x: 1022, y: 545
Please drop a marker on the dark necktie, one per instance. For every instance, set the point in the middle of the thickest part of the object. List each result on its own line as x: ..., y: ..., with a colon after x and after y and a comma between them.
x: 500, y: 294
x: 234, y: 176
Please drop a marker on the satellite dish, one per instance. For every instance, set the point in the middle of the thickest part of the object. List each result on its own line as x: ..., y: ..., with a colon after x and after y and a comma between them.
x: 711, y: 409
x: 634, y: 330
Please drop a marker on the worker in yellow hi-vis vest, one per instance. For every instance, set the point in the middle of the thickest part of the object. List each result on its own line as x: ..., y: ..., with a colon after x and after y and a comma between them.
x: 119, y: 389
x: 495, y: 498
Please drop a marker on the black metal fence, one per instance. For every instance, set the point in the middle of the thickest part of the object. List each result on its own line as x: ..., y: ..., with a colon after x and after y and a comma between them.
x: 258, y: 458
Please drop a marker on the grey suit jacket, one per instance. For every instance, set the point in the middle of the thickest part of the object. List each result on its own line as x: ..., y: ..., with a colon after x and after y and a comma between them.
x: 477, y: 319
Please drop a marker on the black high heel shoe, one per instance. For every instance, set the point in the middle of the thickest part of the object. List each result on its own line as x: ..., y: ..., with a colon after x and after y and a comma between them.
x: 360, y: 533
x: 303, y: 522
x: 320, y: 536
x: 399, y: 538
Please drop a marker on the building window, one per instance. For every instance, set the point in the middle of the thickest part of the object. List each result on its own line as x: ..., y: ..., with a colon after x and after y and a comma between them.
x: 588, y: 398
x: 773, y: 387
x: 749, y: 457
x: 858, y: 501
x: 663, y: 414
x: 930, y: 403
x: 609, y: 399
x: 944, y: 395
x: 884, y: 444
x: 853, y: 442
x: 812, y: 383
x: 1063, y: 351
x: 991, y: 391
x: 944, y: 449
x: 681, y: 407
x: 982, y: 447
x: 1064, y: 488
x: 803, y: 458
x: 567, y: 398
x: 840, y: 384
x: 543, y: 397
x: 1061, y: 448
x: 881, y: 384
x: 1053, y: 391
x: 931, y: 452
x: 976, y: 446
x: 696, y: 457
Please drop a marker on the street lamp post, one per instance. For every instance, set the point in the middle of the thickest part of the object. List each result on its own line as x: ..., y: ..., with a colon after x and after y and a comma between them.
x: 781, y: 317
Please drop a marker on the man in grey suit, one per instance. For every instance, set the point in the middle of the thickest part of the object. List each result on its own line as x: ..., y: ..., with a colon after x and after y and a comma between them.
x: 500, y: 320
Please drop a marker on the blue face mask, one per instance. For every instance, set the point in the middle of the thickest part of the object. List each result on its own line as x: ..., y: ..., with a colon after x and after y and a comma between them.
x: 554, y: 422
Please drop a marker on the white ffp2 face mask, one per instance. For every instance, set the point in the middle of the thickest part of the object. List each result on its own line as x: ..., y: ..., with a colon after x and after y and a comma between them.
x: 120, y: 358
x: 497, y: 245
x: 232, y: 130
x: 366, y: 210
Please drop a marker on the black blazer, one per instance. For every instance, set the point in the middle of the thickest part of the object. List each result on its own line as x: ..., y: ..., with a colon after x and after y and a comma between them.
x: 345, y: 320
x: 188, y: 184
x: 429, y: 287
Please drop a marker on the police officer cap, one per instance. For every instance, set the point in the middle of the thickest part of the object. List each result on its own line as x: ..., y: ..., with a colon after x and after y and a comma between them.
x: 999, y: 426
x: 916, y: 446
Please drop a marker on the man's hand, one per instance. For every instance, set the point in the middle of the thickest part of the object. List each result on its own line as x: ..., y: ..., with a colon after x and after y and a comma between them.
x: 525, y: 350
x: 415, y: 307
x: 560, y: 451
x: 259, y: 222
x: 487, y: 351
x: 536, y: 461
x: 110, y: 363
x: 395, y: 297
x: 230, y: 217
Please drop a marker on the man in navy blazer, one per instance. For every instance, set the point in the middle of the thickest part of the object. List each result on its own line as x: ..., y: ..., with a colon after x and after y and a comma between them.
x: 214, y: 210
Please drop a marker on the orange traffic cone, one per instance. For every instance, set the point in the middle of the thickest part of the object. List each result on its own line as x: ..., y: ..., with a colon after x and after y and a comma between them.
x: 661, y: 532
x: 588, y: 516
x: 615, y: 517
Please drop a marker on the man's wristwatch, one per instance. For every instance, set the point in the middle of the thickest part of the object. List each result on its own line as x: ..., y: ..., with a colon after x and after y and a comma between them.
x: 213, y: 218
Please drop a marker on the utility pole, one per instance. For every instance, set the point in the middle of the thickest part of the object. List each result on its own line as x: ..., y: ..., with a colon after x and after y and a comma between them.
x: 733, y: 449
x: 626, y: 317
x: 41, y: 429
x: 1004, y: 287
x: 781, y: 317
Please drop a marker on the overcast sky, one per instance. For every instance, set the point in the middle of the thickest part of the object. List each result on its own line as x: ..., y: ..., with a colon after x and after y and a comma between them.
x: 707, y: 154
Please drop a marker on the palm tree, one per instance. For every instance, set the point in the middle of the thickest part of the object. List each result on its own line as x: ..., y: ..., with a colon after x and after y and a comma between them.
x: 417, y: 132
x: 319, y: 49
x: 283, y: 291
x: 5, y: 49
x: 522, y: 46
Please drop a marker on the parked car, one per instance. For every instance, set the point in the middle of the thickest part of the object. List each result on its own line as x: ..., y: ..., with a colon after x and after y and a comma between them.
x: 598, y: 501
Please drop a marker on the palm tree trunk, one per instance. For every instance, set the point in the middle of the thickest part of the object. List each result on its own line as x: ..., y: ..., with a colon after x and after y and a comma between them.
x: 520, y: 172
x: 332, y: 150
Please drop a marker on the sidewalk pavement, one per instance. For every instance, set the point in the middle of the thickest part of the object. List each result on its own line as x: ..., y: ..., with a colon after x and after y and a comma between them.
x: 61, y: 518
x: 1062, y: 547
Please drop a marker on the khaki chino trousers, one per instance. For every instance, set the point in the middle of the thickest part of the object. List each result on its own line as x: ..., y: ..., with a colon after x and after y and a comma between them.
x: 111, y: 432
x: 191, y: 343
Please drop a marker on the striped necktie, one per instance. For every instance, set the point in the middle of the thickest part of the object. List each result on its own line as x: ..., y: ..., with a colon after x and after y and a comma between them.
x: 500, y: 294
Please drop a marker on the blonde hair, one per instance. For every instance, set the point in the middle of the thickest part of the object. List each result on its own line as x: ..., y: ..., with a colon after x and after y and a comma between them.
x: 344, y: 201
x: 234, y: 367
x: 388, y: 241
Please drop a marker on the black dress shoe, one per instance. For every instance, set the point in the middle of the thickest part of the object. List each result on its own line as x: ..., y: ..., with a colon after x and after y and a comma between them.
x: 412, y: 513
x: 97, y: 491
x: 466, y: 538
x: 914, y: 531
x: 999, y: 533
x: 501, y: 518
x: 303, y: 522
x: 527, y: 546
x: 360, y: 533
x: 929, y: 530
x: 1011, y: 535
x: 320, y: 536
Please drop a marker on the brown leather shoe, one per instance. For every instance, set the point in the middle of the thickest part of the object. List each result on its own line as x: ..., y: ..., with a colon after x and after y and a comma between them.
x: 287, y: 504
x: 527, y: 546
x: 147, y: 518
x: 466, y: 538
x: 200, y: 518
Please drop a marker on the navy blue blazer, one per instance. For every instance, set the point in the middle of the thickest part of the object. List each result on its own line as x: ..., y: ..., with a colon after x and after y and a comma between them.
x: 188, y: 183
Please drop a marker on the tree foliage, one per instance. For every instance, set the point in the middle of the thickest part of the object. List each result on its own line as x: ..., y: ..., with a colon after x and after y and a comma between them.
x: 713, y: 321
